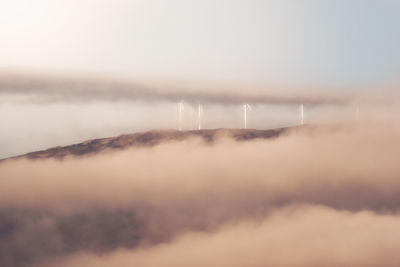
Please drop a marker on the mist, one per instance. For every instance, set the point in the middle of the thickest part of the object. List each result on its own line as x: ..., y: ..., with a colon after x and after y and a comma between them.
x: 292, y: 236
x: 297, y: 198
x: 199, y: 133
x: 42, y: 110
x: 64, y: 88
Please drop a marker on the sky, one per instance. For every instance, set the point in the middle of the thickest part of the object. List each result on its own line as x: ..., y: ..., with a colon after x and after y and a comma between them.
x: 313, y: 47
x: 329, y: 42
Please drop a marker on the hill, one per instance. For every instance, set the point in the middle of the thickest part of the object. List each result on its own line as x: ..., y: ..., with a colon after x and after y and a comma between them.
x: 150, y: 138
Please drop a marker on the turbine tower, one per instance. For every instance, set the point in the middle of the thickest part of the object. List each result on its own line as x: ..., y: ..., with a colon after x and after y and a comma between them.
x: 199, y: 116
x: 246, y: 107
x: 302, y: 114
x: 180, y: 115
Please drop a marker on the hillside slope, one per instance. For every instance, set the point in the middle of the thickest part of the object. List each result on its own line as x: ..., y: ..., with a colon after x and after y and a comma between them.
x: 150, y: 138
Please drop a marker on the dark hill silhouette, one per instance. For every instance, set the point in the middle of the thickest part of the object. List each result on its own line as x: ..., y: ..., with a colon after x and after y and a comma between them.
x: 151, y: 138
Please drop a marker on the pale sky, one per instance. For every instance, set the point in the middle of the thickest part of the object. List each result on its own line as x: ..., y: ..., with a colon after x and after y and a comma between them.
x: 331, y: 45
x: 328, y: 42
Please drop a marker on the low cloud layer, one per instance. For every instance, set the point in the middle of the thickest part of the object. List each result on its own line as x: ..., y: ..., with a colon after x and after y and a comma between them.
x: 53, y: 88
x: 308, y: 198
x: 291, y: 236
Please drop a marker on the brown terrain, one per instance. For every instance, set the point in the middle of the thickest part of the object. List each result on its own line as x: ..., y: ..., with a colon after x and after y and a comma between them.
x: 151, y: 138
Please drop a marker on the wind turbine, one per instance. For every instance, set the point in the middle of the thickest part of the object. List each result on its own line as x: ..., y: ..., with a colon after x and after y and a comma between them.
x: 199, y: 116
x: 180, y: 115
x: 245, y: 108
x: 302, y: 114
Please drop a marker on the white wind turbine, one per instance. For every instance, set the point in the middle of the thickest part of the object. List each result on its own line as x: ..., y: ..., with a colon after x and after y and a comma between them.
x: 199, y: 116
x: 302, y: 114
x: 180, y: 115
x: 246, y: 107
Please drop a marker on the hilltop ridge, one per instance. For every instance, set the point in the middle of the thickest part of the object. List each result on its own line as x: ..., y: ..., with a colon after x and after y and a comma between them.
x: 150, y: 138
